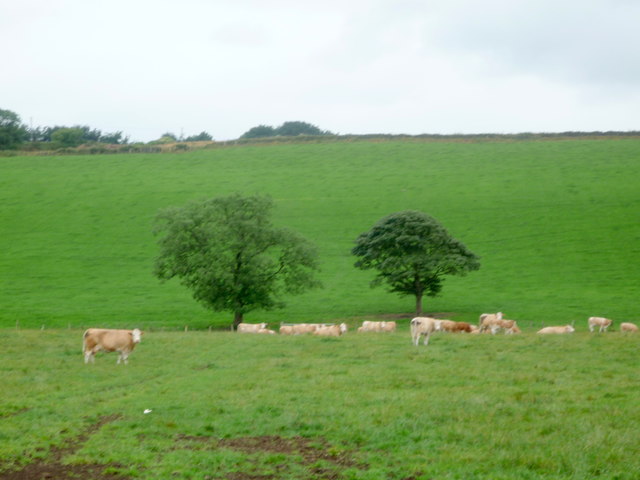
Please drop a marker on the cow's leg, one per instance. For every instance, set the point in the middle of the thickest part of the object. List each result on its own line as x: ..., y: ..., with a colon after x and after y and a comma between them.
x: 426, y: 338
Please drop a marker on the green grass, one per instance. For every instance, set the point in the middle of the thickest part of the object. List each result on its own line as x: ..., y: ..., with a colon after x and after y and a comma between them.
x: 499, y: 407
x: 555, y: 223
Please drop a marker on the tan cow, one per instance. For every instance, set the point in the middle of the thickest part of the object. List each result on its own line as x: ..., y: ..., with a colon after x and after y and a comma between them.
x: 95, y: 340
x: 331, y: 330
x: 298, y: 328
x: 509, y: 326
x: 422, y: 327
x: 564, y: 329
x: 628, y: 327
x: 452, y: 327
x: 600, y: 322
x: 251, y: 327
x: 488, y: 321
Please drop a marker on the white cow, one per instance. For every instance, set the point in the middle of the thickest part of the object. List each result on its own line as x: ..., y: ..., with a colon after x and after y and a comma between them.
x: 422, y: 327
x: 251, y: 327
x: 564, y: 329
x: 600, y: 322
x: 369, y: 326
x: 95, y: 340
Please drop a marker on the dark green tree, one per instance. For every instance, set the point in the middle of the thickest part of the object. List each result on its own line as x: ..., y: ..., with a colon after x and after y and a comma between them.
x: 201, y: 137
x: 412, y: 252
x: 259, y: 132
x: 12, y: 132
x: 229, y: 254
x: 291, y: 129
x: 68, y: 137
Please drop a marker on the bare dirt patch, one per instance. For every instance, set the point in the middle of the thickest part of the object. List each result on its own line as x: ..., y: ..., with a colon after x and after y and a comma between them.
x: 52, y: 467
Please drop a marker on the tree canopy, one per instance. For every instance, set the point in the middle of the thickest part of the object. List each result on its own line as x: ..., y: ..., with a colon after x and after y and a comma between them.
x: 227, y: 251
x: 12, y: 132
x: 287, y: 129
x: 412, y: 252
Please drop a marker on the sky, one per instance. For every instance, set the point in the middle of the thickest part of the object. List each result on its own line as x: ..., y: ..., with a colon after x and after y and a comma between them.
x: 147, y: 67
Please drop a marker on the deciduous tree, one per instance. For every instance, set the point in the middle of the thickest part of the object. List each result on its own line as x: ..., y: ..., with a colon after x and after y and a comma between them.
x: 412, y: 252
x: 227, y: 251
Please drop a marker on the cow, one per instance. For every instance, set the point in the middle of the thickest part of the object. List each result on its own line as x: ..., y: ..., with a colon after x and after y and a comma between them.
x: 95, y: 340
x: 331, y: 330
x: 628, y: 327
x: 509, y: 326
x: 298, y: 328
x: 600, y: 322
x: 369, y: 326
x: 251, y: 327
x: 488, y: 321
x: 564, y: 329
x: 422, y: 327
x: 451, y: 326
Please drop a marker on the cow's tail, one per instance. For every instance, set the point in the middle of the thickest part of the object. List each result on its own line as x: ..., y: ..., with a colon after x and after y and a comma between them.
x: 84, y: 341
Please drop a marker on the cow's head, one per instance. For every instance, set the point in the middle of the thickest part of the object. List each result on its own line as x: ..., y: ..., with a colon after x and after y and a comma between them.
x: 136, y: 334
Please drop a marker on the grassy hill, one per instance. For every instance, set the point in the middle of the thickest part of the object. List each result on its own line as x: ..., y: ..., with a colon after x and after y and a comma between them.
x: 555, y: 223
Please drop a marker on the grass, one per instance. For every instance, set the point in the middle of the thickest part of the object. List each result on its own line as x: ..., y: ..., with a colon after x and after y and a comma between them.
x: 554, y: 222
x: 363, y: 406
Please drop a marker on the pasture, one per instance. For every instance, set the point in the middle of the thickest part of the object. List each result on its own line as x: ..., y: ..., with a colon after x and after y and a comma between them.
x: 361, y: 406
x: 555, y: 224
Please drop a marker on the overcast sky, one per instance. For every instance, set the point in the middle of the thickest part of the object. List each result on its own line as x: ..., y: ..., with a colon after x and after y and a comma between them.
x: 146, y: 67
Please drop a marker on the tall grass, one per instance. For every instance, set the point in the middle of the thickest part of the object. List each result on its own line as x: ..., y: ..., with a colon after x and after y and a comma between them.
x: 503, y: 407
x: 554, y: 222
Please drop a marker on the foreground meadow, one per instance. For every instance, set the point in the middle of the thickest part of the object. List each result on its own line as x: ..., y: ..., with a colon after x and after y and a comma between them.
x: 362, y: 406
x: 555, y: 224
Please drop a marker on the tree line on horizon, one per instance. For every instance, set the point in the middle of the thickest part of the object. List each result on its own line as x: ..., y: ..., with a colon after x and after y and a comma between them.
x: 14, y: 134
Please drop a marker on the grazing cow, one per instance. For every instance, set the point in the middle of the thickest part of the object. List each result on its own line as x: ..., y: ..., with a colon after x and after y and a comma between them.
x: 369, y: 326
x: 422, y: 327
x: 628, y: 327
x: 488, y: 321
x: 331, y: 330
x: 565, y: 329
x: 600, y: 322
x: 251, y: 327
x: 95, y: 340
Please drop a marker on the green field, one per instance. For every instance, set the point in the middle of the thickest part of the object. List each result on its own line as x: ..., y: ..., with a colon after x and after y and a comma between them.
x: 360, y: 407
x: 555, y: 223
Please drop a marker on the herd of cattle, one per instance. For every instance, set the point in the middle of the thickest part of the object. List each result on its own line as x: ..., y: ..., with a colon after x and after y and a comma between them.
x: 96, y: 340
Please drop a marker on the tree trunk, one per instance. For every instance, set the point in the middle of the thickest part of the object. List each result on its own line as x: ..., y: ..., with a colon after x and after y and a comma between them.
x: 418, y: 304
x: 237, y: 319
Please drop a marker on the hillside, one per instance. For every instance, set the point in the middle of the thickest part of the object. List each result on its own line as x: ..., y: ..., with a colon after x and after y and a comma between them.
x: 555, y: 223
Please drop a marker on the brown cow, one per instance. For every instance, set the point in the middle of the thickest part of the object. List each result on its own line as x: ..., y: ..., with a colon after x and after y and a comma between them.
x: 95, y: 340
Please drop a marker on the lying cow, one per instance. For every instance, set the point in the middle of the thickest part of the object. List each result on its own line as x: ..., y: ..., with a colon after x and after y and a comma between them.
x: 298, y: 328
x: 452, y: 327
x: 95, y: 340
x: 600, y: 322
x: 565, y: 329
x: 628, y: 327
x: 251, y: 327
x: 331, y: 330
x: 369, y: 326
x: 509, y: 326
x: 488, y: 321
x: 422, y: 327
